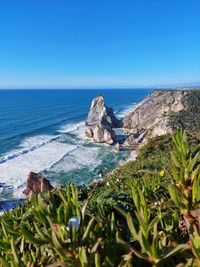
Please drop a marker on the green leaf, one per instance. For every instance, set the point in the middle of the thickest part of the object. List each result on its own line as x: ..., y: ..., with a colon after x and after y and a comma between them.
x: 131, y: 226
x: 95, y: 247
x: 14, y: 252
x: 144, y: 243
x: 133, y: 250
x: 97, y: 260
x: 172, y: 252
x: 30, y: 237
x: 88, y: 228
x: 9, y: 228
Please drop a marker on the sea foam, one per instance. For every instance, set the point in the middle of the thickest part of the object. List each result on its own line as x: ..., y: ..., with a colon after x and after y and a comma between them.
x: 126, y: 110
x: 14, y: 171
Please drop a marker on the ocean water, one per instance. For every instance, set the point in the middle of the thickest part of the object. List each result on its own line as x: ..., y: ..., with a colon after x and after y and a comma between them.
x: 43, y: 131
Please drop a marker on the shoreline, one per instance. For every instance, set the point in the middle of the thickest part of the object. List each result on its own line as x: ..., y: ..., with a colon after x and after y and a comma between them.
x: 8, y: 204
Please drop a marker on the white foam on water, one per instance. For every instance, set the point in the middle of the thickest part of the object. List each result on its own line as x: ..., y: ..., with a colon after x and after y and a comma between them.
x: 132, y: 156
x: 37, y: 140
x: 29, y: 144
x: 78, y: 129
x: 14, y: 171
x: 128, y: 109
x: 80, y: 132
x: 70, y: 127
x: 80, y: 157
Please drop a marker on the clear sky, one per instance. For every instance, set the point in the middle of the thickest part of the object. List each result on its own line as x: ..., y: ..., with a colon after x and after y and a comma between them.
x: 99, y: 43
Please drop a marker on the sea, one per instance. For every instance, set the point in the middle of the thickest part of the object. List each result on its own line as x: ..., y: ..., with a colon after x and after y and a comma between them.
x: 43, y: 131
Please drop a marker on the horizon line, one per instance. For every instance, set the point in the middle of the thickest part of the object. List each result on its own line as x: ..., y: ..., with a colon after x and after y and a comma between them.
x: 103, y: 87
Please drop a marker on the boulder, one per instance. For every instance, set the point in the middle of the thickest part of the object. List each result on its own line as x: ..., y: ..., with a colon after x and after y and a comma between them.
x: 36, y: 183
x: 117, y: 147
x: 89, y: 133
x: 99, y: 113
x: 103, y: 133
x: 130, y: 141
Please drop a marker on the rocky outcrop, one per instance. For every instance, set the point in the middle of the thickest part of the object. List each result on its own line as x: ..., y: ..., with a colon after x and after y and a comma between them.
x: 130, y: 141
x: 117, y: 147
x: 151, y: 117
x: 103, y: 133
x: 100, y: 113
x: 160, y: 113
x: 36, y: 183
x: 89, y: 133
x: 100, y: 122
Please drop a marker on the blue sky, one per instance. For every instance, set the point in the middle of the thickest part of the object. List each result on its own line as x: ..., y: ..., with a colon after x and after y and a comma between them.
x: 99, y: 43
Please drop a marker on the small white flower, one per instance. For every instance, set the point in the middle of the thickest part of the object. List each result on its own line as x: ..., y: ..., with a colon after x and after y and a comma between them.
x: 117, y: 180
x: 107, y: 183
x: 74, y: 221
x: 67, y: 228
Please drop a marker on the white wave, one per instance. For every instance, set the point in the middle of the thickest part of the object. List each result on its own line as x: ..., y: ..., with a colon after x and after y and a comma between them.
x: 132, y: 156
x: 14, y: 171
x: 29, y: 144
x: 80, y: 157
x: 70, y: 127
x: 128, y: 109
x: 38, y: 139
x: 77, y: 129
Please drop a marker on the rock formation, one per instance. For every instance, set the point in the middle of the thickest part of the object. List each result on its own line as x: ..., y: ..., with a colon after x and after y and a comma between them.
x: 160, y: 113
x: 100, y: 113
x: 36, y: 184
x: 89, y: 133
x: 103, y: 133
x: 154, y: 115
x: 117, y: 147
x: 100, y: 122
x: 130, y: 141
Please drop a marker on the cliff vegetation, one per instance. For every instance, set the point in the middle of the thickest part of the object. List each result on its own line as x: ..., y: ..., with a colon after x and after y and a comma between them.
x: 145, y: 213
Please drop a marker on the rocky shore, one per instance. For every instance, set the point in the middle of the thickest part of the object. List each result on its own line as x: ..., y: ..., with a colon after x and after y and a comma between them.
x: 160, y: 113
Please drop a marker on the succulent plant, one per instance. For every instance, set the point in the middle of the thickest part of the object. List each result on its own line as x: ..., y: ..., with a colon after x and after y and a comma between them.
x: 128, y: 223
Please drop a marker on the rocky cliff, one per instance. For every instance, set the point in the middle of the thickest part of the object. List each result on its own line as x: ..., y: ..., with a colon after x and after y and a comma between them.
x: 162, y: 112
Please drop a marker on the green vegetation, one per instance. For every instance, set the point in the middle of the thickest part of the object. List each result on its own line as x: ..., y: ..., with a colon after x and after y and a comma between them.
x: 145, y: 213
x: 189, y: 118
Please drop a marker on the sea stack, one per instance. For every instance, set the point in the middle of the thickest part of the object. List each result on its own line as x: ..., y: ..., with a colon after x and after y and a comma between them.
x: 100, y: 121
x: 99, y: 112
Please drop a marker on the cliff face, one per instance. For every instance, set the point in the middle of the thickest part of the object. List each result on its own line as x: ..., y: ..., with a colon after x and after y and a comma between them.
x: 159, y: 114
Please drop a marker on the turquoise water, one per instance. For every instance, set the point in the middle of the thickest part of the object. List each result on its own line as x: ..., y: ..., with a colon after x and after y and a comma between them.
x: 43, y: 131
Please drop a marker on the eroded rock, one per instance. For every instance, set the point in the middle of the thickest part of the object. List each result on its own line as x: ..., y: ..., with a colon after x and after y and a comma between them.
x: 151, y: 116
x: 99, y: 113
x: 36, y: 183
x: 130, y: 141
x: 103, y: 133
x: 89, y: 133
x: 117, y: 147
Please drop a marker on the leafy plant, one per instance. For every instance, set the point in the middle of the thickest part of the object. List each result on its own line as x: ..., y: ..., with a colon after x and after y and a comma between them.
x: 155, y: 244
x: 146, y: 212
x: 185, y: 192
